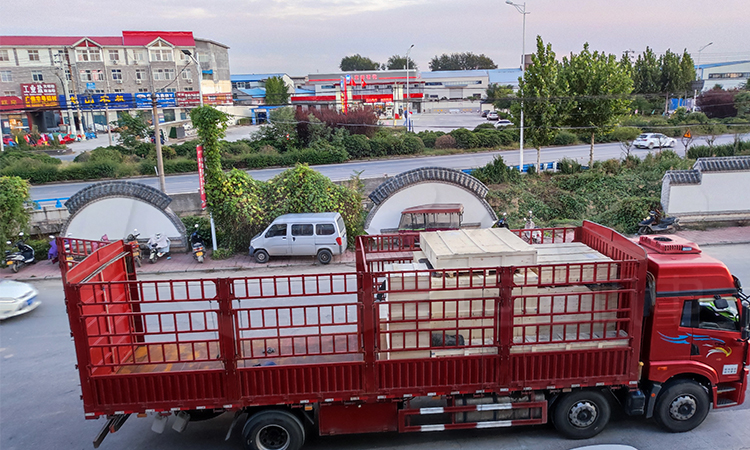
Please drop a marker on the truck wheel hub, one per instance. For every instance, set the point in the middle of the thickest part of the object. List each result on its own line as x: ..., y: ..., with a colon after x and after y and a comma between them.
x: 582, y: 414
x: 683, y: 407
x: 272, y: 437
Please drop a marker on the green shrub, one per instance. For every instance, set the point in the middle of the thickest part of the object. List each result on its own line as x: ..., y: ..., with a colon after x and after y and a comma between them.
x: 222, y: 253
x: 204, y: 228
x: 33, y: 170
x: 357, y: 145
x: 429, y: 137
x: 412, y: 145
x: 568, y: 166
x: 41, y: 248
x: 381, y: 145
x: 445, y: 141
x: 235, y: 148
x: 180, y: 165
x: 465, y: 139
x: 484, y: 126
x: 496, y: 172
x: 565, y: 138
x: 490, y: 138
x: 186, y: 149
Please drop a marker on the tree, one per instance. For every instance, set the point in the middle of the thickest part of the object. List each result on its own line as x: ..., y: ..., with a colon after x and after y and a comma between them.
x: 540, y: 90
x: 397, y: 62
x: 276, y: 91
x: 500, y: 95
x: 599, y: 90
x: 132, y: 128
x: 14, y: 217
x: 647, y: 73
x: 357, y: 62
x: 742, y: 103
x: 461, y: 61
x: 718, y: 103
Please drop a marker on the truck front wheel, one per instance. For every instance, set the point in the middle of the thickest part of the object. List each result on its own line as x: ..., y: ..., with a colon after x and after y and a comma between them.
x: 581, y: 414
x: 682, y: 406
x: 273, y: 430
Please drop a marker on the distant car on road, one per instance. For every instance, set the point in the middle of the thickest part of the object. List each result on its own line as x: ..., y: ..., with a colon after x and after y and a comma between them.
x: 17, y: 298
x: 651, y: 140
x: 503, y: 123
x: 492, y: 115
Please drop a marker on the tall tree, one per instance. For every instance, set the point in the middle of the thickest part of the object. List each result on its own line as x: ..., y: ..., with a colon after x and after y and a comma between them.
x: 671, y: 76
x: 397, y: 62
x: 540, y: 89
x: 461, y: 61
x: 14, y: 217
x: 500, y: 95
x: 357, y: 62
x: 599, y: 90
x: 277, y: 92
x: 647, y: 73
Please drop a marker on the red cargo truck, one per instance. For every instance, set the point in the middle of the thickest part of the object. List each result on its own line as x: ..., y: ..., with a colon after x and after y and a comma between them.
x: 592, y: 321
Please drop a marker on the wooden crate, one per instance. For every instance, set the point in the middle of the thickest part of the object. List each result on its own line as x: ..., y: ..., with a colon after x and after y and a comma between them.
x: 488, y: 247
x: 556, y: 256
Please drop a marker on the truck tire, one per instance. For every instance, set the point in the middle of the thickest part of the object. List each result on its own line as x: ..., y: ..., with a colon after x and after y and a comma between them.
x: 324, y: 256
x: 273, y: 430
x: 581, y: 414
x: 681, y: 406
x: 261, y: 256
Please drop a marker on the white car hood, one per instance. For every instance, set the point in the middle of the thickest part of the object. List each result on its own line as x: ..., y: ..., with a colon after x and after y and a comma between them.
x: 15, y: 289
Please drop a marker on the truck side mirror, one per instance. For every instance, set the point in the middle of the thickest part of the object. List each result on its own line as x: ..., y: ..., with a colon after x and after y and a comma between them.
x: 720, y: 303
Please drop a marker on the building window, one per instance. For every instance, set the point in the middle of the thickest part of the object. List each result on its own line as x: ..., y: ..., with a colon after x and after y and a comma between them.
x: 170, y: 89
x: 117, y: 91
x: 140, y: 74
x: 4, y: 55
x: 9, y: 93
x: 92, y: 75
x: 188, y: 89
x: 117, y: 74
x: 187, y: 75
x: 6, y: 75
x: 33, y: 55
x: 98, y: 91
x: 139, y: 55
x: 202, y: 57
x: 36, y: 75
x: 142, y: 90
x: 114, y: 55
x: 208, y: 76
x: 88, y: 54
x: 161, y: 54
x: 163, y: 74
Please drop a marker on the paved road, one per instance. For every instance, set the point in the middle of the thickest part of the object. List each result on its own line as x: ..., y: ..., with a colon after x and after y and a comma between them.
x: 40, y: 406
x: 377, y: 168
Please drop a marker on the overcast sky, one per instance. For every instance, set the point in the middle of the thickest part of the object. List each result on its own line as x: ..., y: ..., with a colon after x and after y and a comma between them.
x: 301, y: 37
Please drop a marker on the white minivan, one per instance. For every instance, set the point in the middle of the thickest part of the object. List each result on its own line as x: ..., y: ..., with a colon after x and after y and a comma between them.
x: 317, y: 234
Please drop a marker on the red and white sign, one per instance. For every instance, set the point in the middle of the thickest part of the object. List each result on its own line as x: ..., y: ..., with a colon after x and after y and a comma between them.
x: 10, y: 102
x: 201, y: 182
x: 188, y: 98
x: 39, y: 94
x: 218, y: 99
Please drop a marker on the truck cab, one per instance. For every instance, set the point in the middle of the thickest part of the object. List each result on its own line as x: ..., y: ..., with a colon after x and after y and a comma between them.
x: 695, y: 333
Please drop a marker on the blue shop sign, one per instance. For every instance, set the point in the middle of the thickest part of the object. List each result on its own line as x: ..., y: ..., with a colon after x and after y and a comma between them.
x: 99, y: 101
x: 143, y: 99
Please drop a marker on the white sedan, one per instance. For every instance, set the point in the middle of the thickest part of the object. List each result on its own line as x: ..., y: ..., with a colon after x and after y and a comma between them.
x: 17, y: 298
x: 651, y: 140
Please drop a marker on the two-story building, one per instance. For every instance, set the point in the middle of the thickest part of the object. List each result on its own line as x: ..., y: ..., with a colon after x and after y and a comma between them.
x: 51, y: 82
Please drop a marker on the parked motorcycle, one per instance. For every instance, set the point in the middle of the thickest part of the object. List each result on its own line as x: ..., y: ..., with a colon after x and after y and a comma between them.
x: 196, y: 241
x: 158, y: 247
x: 24, y: 255
x: 655, y: 224
x: 135, y: 247
x: 502, y: 222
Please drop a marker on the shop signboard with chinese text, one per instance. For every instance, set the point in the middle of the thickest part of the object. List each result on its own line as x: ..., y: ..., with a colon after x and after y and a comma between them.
x: 10, y: 102
x: 99, y: 101
x: 38, y: 95
x: 218, y: 99
x: 188, y: 98
x: 163, y: 99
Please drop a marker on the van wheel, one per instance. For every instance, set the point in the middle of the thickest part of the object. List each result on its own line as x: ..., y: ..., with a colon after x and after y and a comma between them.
x: 682, y: 406
x: 273, y: 430
x: 325, y: 256
x: 261, y: 256
x: 581, y: 414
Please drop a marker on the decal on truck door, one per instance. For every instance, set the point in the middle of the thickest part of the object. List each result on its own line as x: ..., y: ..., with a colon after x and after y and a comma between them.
x: 685, y: 339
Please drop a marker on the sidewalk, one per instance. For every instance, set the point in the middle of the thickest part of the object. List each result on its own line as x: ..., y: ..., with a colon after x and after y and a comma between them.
x: 183, y: 264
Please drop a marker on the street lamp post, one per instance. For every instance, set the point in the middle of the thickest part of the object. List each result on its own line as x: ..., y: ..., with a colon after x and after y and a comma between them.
x: 521, y: 9
x: 408, y: 100
x: 700, y: 77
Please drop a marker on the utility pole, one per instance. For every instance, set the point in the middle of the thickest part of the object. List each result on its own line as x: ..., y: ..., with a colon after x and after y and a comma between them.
x: 75, y: 88
x: 157, y: 141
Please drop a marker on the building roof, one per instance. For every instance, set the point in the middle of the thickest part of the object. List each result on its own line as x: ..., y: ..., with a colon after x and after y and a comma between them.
x: 128, y: 39
x: 504, y: 76
x: 254, y: 92
x: 254, y: 76
x: 453, y: 74
x: 728, y: 63
x: 683, y: 176
x: 300, y: 91
x: 723, y: 164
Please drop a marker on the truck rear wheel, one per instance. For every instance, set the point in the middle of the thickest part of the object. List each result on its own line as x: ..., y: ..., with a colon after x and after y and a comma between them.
x: 273, y: 430
x: 581, y: 414
x: 682, y: 406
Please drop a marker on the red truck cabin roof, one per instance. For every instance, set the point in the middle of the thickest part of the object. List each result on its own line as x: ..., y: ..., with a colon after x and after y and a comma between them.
x: 681, y: 268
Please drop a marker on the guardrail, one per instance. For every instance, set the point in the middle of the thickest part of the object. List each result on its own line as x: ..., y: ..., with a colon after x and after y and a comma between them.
x: 548, y: 166
x: 58, y: 202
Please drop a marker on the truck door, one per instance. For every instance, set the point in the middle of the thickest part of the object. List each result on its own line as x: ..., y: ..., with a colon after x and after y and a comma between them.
x: 716, y: 335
